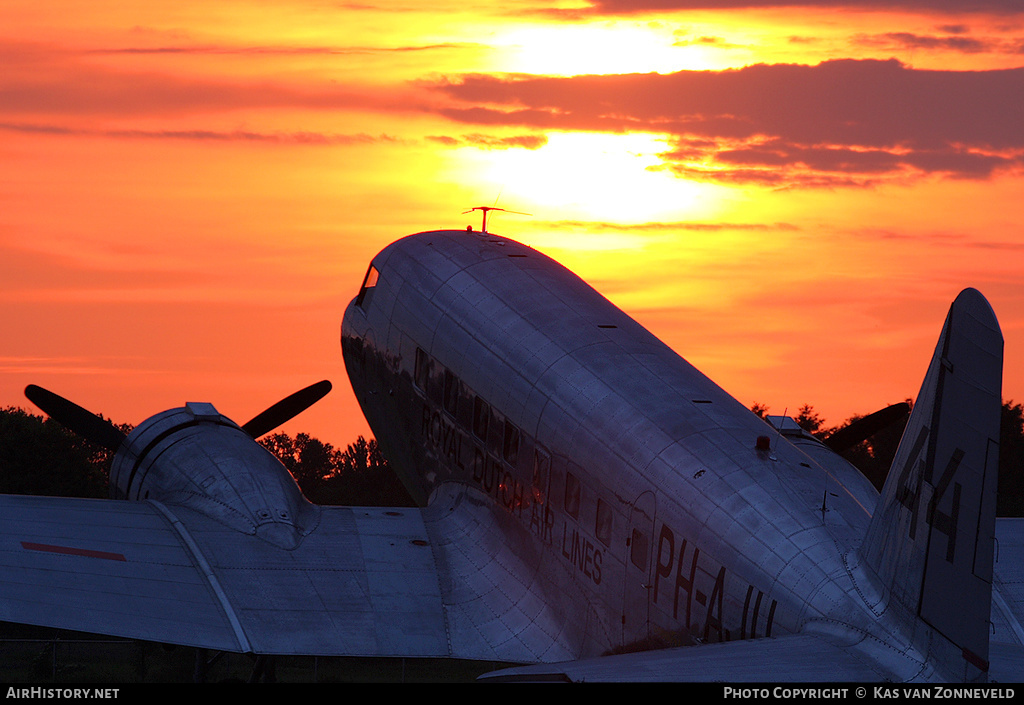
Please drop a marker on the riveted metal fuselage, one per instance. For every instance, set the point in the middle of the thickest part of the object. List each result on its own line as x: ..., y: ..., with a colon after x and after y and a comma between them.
x: 630, y: 484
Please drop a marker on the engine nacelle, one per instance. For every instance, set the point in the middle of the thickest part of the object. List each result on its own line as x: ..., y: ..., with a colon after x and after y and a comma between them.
x: 197, y: 458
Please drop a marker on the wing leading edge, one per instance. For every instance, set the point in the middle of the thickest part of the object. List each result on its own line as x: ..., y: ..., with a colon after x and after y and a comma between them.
x: 362, y: 583
x: 790, y: 658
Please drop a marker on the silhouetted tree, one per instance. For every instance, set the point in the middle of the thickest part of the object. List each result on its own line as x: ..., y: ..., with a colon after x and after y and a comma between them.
x: 874, y: 456
x: 809, y: 420
x: 308, y: 459
x: 362, y: 456
x: 364, y: 477
x: 1010, y: 501
x: 41, y: 457
x: 356, y: 476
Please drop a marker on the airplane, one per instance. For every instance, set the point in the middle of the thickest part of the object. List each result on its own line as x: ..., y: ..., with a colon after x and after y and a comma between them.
x: 589, y: 506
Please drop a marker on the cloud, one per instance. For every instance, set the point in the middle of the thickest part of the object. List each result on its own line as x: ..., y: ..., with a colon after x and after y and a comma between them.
x: 107, y: 93
x: 691, y: 226
x: 273, y: 50
x: 958, y: 7
x: 841, y: 122
x: 684, y: 39
x: 27, y: 365
x: 478, y: 140
x: 42, y: 80
x: 300, y: 137
x: 955, y: 42
x: 491, y: 142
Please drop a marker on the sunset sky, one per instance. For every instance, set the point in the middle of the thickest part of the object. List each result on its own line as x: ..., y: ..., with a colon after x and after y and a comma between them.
x: 790, y: 194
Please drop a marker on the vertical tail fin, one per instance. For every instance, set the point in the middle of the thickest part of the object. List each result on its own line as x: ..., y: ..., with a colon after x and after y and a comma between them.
x: 930, y: 541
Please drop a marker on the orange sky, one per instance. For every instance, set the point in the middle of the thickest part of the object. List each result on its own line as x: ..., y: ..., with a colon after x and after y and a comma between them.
x: 789, y: 196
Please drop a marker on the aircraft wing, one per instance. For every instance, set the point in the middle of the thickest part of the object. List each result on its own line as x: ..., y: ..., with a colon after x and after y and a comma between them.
x: 797, y: 658
x: 362, y: 583
x: 808, y: 658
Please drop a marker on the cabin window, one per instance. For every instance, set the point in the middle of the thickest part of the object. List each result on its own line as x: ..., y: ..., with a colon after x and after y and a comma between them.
x: 510, y: 447
x: 451, y: 392
x: 422, y: 371
x: 495, y: 433
x: 366, y: 290
x: 638, y: 549
x: 603, y: 525
x: 481, y: 417
x: 572, y: 495
x: 541, y: 475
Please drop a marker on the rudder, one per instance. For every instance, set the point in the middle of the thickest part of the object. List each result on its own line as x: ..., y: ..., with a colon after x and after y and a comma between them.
x: 930, y: 540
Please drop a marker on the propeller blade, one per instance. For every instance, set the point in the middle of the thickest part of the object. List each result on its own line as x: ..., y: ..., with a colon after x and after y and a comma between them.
x: 862, y: 429
x: 286, y: 409
x: 76, y: 419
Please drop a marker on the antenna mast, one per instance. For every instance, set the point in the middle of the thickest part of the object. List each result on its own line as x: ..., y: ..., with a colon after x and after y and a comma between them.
x: 484, y: 209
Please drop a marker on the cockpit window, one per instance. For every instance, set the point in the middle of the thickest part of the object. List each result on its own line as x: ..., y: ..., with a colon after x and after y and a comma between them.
x: 369, y: 282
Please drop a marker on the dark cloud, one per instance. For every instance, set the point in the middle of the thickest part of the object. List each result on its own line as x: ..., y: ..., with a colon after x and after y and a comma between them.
x: 108, y: 93
x: 478, y: 140
x: 684, y: 40
x: 317, y: 138
x: 619, y: 7
x: 40, y: 80
x: 491, y: 142
x: 687, y: 225
x: 899, y: 41
x: 843, y: 122
x: 288, y: 49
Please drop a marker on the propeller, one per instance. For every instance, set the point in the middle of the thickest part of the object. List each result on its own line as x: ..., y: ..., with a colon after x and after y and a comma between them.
x: 76, y: 419
x: 103, y: 433
x: 286, y: 409
x: 862, y: 429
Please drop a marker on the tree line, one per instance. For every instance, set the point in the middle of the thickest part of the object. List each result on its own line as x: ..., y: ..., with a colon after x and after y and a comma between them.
x: 357, y: 476
x: 874, y: 456
x: 39, y: 456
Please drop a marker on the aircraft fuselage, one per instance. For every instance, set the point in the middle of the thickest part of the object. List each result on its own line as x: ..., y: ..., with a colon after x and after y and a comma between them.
x: 646, y: 504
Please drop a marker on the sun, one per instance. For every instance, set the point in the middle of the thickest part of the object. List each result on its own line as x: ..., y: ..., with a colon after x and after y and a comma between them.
x: 613, y: 47
x: 584, y: 176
